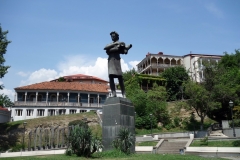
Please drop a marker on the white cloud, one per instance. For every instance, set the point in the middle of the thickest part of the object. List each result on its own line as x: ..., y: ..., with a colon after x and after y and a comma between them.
x: 212, y: 8
x: 10, y: 93
x: 23, y: 74
x: 134, y: 64
x: 74, y: 65
x: 40, y: 76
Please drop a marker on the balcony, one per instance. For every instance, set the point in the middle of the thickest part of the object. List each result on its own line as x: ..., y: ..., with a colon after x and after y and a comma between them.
x: 67, y: 104
x: 154, y: 65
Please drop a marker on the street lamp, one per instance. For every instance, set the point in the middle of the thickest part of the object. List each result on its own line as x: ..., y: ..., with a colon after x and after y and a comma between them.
x: 24, y: 125
x: 151, y: 121
x: 231, y: 107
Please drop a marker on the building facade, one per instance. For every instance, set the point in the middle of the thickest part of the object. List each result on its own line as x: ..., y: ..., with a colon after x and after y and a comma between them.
x: 155, y: 64
x: 66, y: 95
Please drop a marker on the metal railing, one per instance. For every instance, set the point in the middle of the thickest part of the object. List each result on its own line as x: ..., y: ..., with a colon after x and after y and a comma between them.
x: 76, y: 104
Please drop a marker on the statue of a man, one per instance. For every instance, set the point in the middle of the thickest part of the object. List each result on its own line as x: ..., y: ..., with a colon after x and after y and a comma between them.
x: 114, y: 50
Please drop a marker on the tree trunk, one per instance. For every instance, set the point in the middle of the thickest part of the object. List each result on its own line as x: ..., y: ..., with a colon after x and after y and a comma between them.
x: 202, y: 120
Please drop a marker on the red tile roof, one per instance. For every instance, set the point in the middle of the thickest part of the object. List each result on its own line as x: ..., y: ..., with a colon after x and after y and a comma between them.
x: 71, y: 86
x: 3, y: 109
x: 82, y: 76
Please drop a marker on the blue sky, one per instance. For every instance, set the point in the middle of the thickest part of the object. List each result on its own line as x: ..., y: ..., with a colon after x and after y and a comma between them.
x: 63, y: 37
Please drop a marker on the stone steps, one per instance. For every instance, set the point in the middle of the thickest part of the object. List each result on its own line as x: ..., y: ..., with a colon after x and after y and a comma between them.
x: 171, y: 147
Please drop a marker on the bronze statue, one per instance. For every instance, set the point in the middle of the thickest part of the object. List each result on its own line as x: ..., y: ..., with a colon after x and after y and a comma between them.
x: 114, y: 50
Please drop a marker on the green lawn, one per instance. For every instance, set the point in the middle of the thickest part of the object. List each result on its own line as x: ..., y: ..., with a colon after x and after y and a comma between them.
x: 223, y: 143
x: 116, y: 157
x: 147, y: 143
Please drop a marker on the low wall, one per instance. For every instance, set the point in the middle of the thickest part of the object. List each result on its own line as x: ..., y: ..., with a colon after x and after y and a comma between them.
x: 229, y: 132
x: 213, y: 151
x: 5, y: 116
x: 32, y: 153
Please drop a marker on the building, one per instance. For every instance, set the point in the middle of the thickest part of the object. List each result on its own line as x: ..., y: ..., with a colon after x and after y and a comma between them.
x: 155, y: 64
x: 66, y: 95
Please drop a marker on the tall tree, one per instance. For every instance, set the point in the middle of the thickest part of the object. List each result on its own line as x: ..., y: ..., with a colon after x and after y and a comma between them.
x: 156, y: 103
x: 200, y: 100
x: 3, y: 48
x: 175, y: 77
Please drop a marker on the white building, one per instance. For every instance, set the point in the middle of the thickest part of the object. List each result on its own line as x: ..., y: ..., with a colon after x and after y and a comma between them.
x: 66, y: 95
x: 154, y: 64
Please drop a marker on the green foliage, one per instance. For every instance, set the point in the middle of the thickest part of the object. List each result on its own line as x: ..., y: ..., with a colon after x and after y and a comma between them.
x: 3, y: 49
x: 154, y: 102
x: 61, y: 79
x: 175, y: 76
x: 124, y: 141
x: 200, y: 100
x: 236, y: 143
x: 82, y: 142
x: 204, y: 141
x: 236, y: 123
x: 129, y: 74
x: 176, y: 121
x: 18, y: 147
x: 231, y: 60
x: 111, y: 154
x: 146, y: 121
x: 80, y: 123
x: 5, y: 101
x: 222, y: 81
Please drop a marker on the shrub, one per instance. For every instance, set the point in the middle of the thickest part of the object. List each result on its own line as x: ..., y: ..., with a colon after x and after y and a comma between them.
x: 79, y: 123
x: 82, y: 142
x: 176, y: 121
x: 236, y: 123
x: 236, y: 143
x: 146, y: 122
x: 124, y: 141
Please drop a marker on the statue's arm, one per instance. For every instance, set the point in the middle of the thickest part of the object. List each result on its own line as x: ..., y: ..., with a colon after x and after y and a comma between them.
x: 109, y: 46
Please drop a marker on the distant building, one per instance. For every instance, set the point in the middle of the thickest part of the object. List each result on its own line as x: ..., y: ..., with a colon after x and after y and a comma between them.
x: 155, y: 64
x: 66, y: 95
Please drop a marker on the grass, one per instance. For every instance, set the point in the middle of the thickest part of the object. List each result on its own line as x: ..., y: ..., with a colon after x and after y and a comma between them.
x: 115, y: 156
x: 146, y: 143
x: 210, y: 143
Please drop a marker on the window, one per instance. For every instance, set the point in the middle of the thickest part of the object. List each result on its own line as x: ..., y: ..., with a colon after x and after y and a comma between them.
x: 51, y: 112
x: 40, y: 112
x: 91, y: 100
x: 29, y: 112
x: 62, y: 111
x: 73, y: 111
x: 82, y: 111
x: 18, y: 112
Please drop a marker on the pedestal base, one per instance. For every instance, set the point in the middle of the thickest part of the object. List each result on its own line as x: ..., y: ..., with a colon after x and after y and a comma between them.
x: 117, y: 113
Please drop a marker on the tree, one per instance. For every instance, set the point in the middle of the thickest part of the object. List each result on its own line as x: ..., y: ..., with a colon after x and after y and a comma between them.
x: 175, y: 77
x: 156, y: 103
x: 3, y: 49
x: 200, y: 100
x: 5, y: 101
x: 136, y: 95
x: 222, y: 80
x: 129, y: 74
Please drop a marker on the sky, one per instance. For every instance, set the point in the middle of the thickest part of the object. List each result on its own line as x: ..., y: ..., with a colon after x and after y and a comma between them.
x: 54, y: 38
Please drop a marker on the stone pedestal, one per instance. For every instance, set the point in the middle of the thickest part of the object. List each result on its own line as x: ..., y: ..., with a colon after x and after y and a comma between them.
x: 117, y: 113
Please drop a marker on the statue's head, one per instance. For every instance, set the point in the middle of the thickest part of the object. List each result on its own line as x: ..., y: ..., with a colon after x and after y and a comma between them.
x: 114, y: 35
